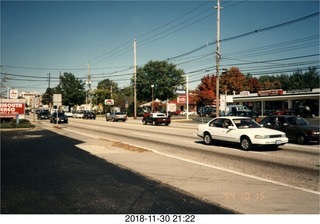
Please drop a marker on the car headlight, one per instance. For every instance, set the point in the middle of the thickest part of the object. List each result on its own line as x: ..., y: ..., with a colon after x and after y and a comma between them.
x: 315, y: 132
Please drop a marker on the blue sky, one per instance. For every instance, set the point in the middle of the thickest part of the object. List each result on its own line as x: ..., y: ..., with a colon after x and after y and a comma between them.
x: 38, y: 38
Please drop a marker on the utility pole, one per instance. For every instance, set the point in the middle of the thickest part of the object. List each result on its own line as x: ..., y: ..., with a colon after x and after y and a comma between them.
x: 89, y: 85
x: 135, y: 78
x: 49, y: 82
x: 218, y: 60
x: 187, y: 94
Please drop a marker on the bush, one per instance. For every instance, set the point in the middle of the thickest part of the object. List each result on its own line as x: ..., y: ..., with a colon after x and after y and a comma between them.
x: 23, y: 123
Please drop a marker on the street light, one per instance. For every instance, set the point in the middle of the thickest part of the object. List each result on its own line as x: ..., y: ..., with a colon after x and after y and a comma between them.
x: 152, y: 86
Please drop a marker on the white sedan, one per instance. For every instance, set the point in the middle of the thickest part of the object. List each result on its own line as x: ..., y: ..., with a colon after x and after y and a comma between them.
x: 240, y: 130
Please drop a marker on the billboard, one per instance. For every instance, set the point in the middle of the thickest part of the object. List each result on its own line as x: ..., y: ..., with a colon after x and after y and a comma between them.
x: 11, y: 107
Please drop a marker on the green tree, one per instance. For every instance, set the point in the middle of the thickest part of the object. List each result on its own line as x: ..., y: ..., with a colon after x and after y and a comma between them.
x: 106, y: 89
x: 163, y: 75
x: 72, y: 90
x: 47, y: 97
x: 311, y: 78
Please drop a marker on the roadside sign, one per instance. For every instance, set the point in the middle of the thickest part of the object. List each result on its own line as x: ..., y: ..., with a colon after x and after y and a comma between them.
x: 109, y: 102
x: 57, y: 99
x: 13, y: 94
x: 11, y: 107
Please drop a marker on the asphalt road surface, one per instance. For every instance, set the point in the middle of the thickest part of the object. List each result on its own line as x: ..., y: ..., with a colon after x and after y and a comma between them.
x: 44, y: 173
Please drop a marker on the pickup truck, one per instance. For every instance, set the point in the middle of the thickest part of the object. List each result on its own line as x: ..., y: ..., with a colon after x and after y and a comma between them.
x: 156, y: 118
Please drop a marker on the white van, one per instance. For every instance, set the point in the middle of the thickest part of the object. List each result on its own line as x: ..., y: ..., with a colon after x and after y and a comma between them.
x: 237, y: 108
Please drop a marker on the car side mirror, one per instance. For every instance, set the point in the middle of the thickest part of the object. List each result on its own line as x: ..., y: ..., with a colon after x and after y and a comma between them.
x: 231, y: 127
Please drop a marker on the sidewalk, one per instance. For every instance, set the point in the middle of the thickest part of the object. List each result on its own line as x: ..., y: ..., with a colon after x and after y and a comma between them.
x: 241, y: 193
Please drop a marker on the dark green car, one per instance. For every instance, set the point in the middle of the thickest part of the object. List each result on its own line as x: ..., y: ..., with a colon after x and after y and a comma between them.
x: 296, y: 128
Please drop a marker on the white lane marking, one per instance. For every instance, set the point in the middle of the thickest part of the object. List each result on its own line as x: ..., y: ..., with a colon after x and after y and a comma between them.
x: 213, y: 167
x: 235, y: 172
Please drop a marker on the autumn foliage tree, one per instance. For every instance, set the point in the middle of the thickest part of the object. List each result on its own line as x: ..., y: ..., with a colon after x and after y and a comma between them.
x: 232, y: 80
x: 206, y: 90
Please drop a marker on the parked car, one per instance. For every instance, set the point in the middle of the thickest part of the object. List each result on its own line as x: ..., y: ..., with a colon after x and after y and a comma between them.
x: 236, y: 108
x: 184, y: 113
x: 89, y: 115
x: 62, y: 118
x: 209, y: 111
x: 304, y: 111
x: 116, y: 116
x: 68, y: 114
x: 296, y: 128
x: 78, y: 114
x: 245, y: 113
x: 156, y: 119
x: 240, y: 130
x: 43, y: 115
x: 283, y: 112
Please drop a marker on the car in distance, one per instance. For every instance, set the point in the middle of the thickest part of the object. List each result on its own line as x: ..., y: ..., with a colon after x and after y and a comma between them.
x: 78, y: 114
x: 68, y: 114
x: 283, y: 112
x: 62, y: 118
x: 116, y: 116
x: 240, y: 130
x: 43, y: 115
x: 89, y: 115
x: 296, y: 128
x: 156, y: 119
x: 244, y: 113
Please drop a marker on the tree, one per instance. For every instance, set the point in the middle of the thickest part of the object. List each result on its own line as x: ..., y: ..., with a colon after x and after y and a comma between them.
x: 206, y: 90
x: 311, y: 78
x: 163, y: 76
x: 269, y: 82
x: 106, y: 89
x: 232, y: 80
x: 252, y: 84
x: 47, y: 97
x: 72, y: 90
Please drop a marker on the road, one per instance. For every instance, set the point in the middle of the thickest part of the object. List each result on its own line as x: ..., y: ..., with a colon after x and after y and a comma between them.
x: 292, y: 170
x: 291, y: 164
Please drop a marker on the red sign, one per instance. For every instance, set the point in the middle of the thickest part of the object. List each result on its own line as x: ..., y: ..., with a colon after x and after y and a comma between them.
x: 272, y: 92
x: 109, y: 102
x: 11, y: 107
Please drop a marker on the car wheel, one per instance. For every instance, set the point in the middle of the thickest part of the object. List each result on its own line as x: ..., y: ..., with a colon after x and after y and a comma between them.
x: 301, y: 139
x: 154, y: 123
x: 207, y: 139
x: 145, y: 122
x: 245, y: 143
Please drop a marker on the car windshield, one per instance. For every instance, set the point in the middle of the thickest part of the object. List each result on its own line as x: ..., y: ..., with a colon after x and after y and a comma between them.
x: 246, y: 123
x: 297, y: 121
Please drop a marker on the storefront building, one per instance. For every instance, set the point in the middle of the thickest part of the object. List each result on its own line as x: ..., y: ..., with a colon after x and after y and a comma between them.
x: 268, y: 101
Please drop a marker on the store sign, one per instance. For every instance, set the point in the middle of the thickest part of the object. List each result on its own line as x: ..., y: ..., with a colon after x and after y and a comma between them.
x: 109, y: 102
x: 182, y: 99
x: 305, y: 90
x: 271, y: 92
x: 11, y: 107
x: 13, y: 94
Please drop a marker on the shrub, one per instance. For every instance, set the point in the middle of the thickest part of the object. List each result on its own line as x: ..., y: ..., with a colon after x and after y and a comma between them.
x: 23, y: 123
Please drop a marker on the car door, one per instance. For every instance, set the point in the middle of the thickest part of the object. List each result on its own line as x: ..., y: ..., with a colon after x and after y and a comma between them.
x: 218, y: 130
